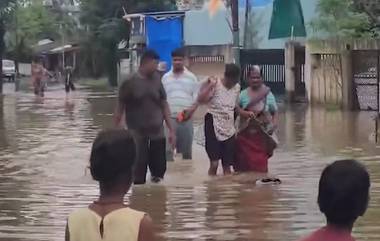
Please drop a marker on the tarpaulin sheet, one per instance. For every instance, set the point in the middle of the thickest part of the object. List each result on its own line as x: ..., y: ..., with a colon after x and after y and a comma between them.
x: 287, y: 19
x: 164, y: 35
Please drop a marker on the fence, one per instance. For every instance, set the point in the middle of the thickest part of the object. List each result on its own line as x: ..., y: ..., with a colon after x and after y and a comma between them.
x: 366, y: 78
x: 272, y: 63
x: 327, y: 80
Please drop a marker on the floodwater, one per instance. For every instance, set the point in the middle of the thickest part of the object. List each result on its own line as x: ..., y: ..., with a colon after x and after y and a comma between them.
x: 44, y: 151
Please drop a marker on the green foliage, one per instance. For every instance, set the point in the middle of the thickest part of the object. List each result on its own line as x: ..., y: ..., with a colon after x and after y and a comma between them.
x: 105, y: 29
x: 6, y: 7
x: 339, y: 18
x: 5, y: 11
x: 31, y: 21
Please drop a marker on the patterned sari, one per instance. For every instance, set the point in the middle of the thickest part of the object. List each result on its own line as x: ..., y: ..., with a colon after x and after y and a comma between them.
x: 254, y: 145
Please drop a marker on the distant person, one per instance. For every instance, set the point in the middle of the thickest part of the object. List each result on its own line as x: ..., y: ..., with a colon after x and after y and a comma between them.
x: 39, y: 74
x: 142, y: 99
x: 69, y: 82
x: 181, y: 87
x: 343, y: 197
x: 109, y: 218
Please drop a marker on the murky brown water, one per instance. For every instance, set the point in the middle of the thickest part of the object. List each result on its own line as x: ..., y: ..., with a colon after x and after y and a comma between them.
x: 44, y: 148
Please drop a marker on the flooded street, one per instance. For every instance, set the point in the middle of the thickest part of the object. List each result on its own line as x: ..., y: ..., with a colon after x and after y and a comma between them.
x: 44, y: 151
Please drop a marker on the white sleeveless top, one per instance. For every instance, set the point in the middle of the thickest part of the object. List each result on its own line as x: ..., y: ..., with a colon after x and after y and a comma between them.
x: 119, y: 225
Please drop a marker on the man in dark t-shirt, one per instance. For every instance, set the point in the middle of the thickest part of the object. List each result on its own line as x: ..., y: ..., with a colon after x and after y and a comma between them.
x: 142, y: 98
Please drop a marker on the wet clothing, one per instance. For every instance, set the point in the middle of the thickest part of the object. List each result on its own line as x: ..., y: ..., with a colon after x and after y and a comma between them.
x: 218, y: 150
x: 184, y: 140
x: 181, y: 90
x: 222, y: 108
x: 251, y: 153
x: 254, y: 146
x: 329, y: 234
x: 39, y: 87
x: 119, y: 225
x: 143, y: 98
x: 38, y: 73
x: 270, y: 102
x: 69, y: 84
x: 150, y: 153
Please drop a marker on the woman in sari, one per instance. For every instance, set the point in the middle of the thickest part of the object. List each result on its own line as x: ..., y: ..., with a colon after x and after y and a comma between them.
x: 259, y: 119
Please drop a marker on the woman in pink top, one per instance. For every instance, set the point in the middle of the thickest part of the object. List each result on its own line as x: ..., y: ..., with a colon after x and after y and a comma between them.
x: 343, y: 197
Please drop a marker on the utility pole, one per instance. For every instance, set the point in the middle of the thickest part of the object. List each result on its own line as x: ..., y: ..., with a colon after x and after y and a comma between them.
x: 63, y: 47
x: 17, y: 51
x: 246, y: 19
x: 235, y: 30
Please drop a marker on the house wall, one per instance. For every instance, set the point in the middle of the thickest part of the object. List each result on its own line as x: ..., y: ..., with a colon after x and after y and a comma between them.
x: 206, y: 61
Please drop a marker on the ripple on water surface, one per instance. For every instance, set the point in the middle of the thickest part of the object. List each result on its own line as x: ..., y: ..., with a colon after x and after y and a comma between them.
x: 44, y: 149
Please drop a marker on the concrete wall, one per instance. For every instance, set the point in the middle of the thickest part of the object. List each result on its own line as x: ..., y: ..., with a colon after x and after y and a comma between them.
x: 207, y: 61
x: 329, y: 70
x: 25, y: 69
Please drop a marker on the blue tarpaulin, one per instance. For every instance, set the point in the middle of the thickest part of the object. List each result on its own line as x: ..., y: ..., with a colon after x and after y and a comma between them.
x: 164, y: 35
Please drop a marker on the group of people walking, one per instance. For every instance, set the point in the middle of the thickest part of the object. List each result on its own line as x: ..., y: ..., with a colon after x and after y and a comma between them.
x: 148, y: 103
x: 121, y: 157
x: 40, y: 75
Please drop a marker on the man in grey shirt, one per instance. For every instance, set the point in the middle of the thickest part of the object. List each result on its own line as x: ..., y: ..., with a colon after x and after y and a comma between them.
x: 142, y: 98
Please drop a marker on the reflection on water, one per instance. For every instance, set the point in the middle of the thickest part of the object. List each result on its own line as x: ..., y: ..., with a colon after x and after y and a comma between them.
x: 45, y: 144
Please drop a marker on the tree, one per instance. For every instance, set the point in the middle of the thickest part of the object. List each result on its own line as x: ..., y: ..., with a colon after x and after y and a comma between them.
x: 5, y: 10
x: 372, y: 9
x: 30, y: 22
x: 105, y: 29
x: 342, y: 18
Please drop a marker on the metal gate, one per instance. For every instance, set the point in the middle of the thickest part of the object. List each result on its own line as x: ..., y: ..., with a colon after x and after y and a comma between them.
x: 272, y: 63
x: 366, y: 78
x: 299, y: 71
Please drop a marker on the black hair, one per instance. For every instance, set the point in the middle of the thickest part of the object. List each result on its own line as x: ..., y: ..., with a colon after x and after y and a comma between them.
x: 37, y: 59
x: 113, y: 154
x: 149, y: 55
x: 252, y: 68
x: 180, y: 52
x: 344, y: 192
x: 232, y: 72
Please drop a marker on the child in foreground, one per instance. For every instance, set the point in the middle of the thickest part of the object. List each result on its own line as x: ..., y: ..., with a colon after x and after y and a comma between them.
x: 343, y: 197
x: 111, y: 163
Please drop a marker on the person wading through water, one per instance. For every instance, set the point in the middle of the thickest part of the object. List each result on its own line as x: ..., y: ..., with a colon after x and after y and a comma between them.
x: 142, y: 99
x: 112, y: 158
x: 259, y: 120
x: 181, y: 87
x: 221, y: 96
